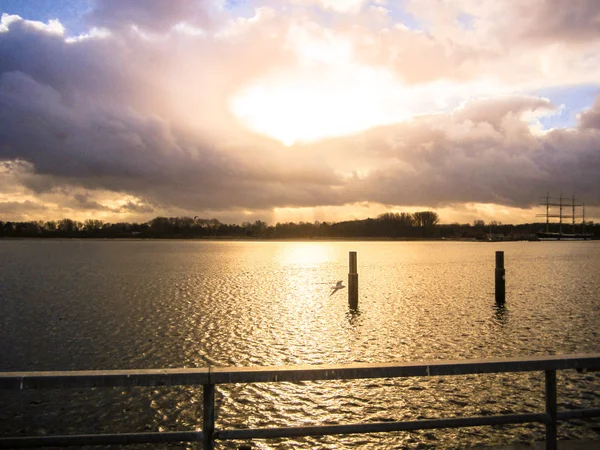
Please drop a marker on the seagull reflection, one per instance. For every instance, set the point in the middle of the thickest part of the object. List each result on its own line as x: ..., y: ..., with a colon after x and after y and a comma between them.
x: 337, y: 287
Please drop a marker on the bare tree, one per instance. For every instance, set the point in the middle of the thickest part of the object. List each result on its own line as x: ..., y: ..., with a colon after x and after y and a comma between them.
x: 426, y: 220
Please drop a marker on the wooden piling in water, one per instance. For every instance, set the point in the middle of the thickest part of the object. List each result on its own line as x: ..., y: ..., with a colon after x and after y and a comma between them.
x: 500, y: 279
x: 353, y: 282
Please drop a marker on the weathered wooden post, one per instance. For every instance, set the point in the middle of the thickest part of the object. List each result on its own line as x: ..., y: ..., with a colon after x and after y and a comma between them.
x: 353, y: 282
x: 500, y: 279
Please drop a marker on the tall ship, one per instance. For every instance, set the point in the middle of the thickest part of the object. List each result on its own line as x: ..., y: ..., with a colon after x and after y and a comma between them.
x: 563, y: 209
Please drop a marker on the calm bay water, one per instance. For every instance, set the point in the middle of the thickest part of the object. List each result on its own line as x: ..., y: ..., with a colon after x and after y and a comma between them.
x: 71, y: 304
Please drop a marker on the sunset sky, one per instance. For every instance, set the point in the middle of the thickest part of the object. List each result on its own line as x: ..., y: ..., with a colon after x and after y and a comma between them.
x: 289, y: 110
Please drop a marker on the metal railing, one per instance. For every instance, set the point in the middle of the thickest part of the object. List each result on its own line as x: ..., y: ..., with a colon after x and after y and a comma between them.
x: 208, y: 378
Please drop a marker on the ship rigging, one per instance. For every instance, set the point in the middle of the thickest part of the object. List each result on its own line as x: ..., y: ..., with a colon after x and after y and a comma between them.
x: 566, y: 210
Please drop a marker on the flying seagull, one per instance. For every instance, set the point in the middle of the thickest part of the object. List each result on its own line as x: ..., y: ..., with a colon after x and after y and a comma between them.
x: 337, y: 287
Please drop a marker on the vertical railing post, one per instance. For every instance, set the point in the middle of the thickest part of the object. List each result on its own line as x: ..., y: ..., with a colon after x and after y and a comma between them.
x: 551, y: 409
x: 208, y: 422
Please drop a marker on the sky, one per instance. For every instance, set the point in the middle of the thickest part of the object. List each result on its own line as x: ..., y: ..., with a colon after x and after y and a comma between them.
x: 298, y: 110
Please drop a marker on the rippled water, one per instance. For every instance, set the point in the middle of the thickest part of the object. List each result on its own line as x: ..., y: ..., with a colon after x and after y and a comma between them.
x: 150, y: 304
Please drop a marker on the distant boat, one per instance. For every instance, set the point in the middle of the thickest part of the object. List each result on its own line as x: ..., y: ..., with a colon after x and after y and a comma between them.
x: 495, y: 237
x: 550, y: 203
x: 547, y: 236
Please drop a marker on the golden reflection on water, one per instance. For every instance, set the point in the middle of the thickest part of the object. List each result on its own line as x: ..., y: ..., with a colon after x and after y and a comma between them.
x: 304, y: 254
x: 302, y: 306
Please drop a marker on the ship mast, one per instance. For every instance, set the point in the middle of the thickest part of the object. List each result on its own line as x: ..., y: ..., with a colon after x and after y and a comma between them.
x: 560, y: 215
x: 573, y: 213
x: 547, y: 211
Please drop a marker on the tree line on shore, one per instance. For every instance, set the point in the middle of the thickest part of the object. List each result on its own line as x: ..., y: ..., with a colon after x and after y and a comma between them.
x: 419, y: 225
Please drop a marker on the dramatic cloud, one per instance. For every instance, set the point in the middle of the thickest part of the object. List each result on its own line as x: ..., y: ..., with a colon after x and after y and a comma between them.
x: 250, y: 109
x: 484, y: 152
x: 591, y: 118
x: 152, y: 15
x: 577, y: 20
x: 21, y: 209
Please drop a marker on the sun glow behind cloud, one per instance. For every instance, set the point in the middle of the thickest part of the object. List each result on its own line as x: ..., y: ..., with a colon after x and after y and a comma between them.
x: 301, y: 108
x: 328, y: 91
x: 325, y: 93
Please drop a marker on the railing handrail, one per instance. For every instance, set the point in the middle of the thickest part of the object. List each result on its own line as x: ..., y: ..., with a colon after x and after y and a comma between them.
x: 209, y: 377
x: 261, y: 374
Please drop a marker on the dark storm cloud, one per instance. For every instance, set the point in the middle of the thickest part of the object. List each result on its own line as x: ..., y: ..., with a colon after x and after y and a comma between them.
x: 94, y: 69
x: 101, y: 146
x: 559, y: 19
x: 56, y: 118
x: 591, y: 117
x: 85, y: 202
x: 21, y: 209
x: 153, y: 15
x: 137, y: 208
x: 485, y: 153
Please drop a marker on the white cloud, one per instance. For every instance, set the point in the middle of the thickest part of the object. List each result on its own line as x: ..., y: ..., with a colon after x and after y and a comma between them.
x: 340, y: 6
x: 52, y: 27
x: 93, y: 33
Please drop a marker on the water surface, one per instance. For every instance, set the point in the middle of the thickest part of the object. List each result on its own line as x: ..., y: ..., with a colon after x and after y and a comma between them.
x: 79, y: 304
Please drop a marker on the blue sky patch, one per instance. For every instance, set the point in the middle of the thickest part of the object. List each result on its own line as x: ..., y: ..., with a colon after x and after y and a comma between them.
x: 465, y: 21
x: 68, y: 12
x: 574, y: 98
x: 399, y: 14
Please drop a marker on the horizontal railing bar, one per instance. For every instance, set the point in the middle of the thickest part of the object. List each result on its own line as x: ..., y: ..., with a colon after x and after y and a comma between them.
x: 578, y: 413
x: 200, y: 376
x: 379, y: 427
x: 101, y: 439
x: 395, y: 370
x: 266, y: 433
x: 103, y: 378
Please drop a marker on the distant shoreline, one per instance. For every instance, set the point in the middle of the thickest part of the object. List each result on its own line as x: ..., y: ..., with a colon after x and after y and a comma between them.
x: 258, y: 239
